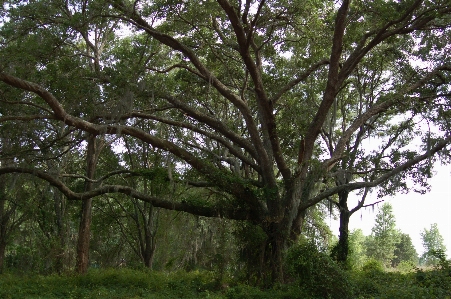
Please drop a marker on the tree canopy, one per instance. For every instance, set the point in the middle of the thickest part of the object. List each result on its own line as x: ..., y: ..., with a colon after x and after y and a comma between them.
x: 268, y: 105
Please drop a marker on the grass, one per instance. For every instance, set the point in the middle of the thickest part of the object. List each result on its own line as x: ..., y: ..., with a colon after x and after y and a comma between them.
x: 111, y: 283
x: 126, y: 283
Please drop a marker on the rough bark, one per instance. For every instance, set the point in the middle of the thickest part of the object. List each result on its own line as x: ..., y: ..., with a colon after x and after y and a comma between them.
x: 84, y: 230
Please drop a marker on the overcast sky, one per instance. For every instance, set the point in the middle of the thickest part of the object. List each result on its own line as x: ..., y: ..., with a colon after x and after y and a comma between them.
x: 414, y: 212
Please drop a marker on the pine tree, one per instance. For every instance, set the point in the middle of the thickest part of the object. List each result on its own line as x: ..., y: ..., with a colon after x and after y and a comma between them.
x: 384, y: 236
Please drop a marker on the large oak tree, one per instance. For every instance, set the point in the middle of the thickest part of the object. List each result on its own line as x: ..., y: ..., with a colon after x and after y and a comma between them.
x: 264, y: 102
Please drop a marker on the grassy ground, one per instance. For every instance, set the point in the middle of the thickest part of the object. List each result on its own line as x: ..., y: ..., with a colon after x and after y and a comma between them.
x: 125, y: 283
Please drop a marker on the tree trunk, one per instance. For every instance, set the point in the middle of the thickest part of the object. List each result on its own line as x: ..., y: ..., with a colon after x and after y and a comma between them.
x: 149, y: 248
x: 4, y: 219
x: 149, y: 254
x: 147, y: 235
x: 264, y: 246
x: 2, y: 254
x: 84, y: 230
x: 283, y: 231
x: 275, y: 248
x: 59, y: 207
x: 342, y: 249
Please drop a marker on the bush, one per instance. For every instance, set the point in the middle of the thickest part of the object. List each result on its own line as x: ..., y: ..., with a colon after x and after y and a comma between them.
x: 369, y: 280
x: 317, y: 272
x: 406, y: 267
x: 373, y: 266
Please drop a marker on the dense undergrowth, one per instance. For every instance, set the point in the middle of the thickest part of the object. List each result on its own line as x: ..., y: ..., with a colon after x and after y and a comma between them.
x: 310, y: 275
x: 126, y: 283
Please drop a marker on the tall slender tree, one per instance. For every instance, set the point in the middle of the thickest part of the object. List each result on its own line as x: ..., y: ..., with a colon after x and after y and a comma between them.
x: 384, y: 236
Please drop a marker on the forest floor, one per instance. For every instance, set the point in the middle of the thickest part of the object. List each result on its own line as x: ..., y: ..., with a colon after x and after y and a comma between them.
x: 126, y: 283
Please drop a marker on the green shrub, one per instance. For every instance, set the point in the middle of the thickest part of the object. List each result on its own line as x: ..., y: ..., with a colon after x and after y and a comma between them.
x: 288, y: 291
x: 439, y: 278
x: 406, y: 267
x: 373, y: 266
x: 369, y: 279
x: 317, y: 272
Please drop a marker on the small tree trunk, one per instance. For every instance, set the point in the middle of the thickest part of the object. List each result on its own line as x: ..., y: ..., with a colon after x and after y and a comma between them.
x: 148, y: 255
x: 84, y: 230
x: 2, y: 254
x: 60, y: 211
x: 4, y: 219
x: 147, y: 237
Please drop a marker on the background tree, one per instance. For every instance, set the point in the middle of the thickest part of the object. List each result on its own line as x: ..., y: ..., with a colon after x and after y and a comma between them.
x: 405, y: 251
x: 357, y: 250
x: 384, y: 236
x: 432, y: 241
x: 12, y: 211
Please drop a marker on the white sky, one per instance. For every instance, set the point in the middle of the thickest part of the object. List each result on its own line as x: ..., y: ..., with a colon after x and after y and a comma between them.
x: 414, y: 212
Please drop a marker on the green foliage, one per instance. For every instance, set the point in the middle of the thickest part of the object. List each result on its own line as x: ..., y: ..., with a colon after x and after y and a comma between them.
x: 443, y: 263
x: 433, y: 245
x: 373, y: 282
x: 373, y: 266
x: 406, y: 266
x: 23, y: 259
x: 282, y: 291
x: 237, y: 96
x: 125, y: 284
x: 365, y: 280
x: 394, y: 285
x: 439, y: 278
x: 317, y: 273
x: 384, y: 237
x: 157, y: 174
x: 111, y: 284
x: 357, y: 250
x: 405, y: 251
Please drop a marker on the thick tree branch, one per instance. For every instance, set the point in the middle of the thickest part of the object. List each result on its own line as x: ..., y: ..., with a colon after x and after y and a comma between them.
x: 222, y: 212
x: 95, y: 181
x: 213, y: 123
x: 232, y: 149
x: 132, y: 17
x: 332, y: 85
x: 264, y: 104
x: 204, y: 167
